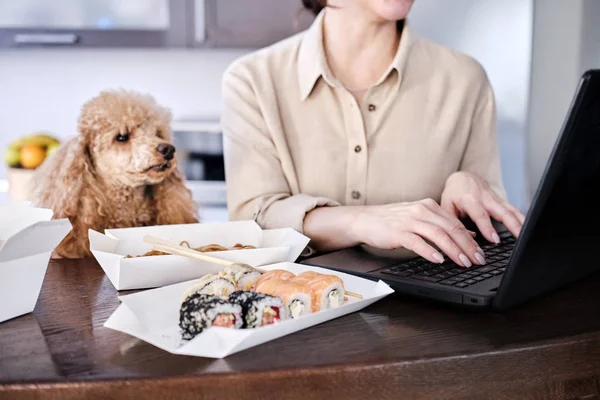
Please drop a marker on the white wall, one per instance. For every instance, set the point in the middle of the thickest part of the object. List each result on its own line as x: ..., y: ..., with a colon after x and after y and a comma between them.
x: 555, y: 68
x: 590, y: 40
x: 566, y: 43
x: 44, y: 89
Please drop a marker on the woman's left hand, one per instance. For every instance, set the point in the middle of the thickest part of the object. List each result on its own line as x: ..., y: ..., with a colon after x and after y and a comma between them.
x: 468, y: 195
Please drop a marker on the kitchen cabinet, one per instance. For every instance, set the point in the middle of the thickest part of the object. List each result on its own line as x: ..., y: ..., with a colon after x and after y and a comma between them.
x: 149, y: 23
x: 92, y: 23
x: 255, y: 23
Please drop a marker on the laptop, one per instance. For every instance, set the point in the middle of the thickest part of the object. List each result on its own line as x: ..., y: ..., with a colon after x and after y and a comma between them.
x: 559, y: 242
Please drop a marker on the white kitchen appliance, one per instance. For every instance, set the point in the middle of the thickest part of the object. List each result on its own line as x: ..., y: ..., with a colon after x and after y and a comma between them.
x: 199, y: 149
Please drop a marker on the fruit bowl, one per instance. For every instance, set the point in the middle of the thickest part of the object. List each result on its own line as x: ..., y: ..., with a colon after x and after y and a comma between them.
x: 22, y: 157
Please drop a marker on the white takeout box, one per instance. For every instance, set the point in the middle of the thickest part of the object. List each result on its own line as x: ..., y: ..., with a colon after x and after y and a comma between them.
x: 28, y: 237
x: 153, y: 317
x: 111, y: 249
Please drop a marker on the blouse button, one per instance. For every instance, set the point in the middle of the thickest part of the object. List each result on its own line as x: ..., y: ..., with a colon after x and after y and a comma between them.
x: 355, y: 195
x: 372, y: 107
x: 357, y: 149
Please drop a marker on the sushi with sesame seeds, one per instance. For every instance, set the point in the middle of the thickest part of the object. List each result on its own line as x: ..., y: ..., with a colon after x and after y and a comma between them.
x: 258, y: 309
x: 201, y: 311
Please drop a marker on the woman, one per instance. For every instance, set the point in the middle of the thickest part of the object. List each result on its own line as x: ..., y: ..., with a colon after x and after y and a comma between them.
x: 355, y: 131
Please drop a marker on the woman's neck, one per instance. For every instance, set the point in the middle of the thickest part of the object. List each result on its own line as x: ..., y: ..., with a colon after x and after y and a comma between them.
x: 358, y: 49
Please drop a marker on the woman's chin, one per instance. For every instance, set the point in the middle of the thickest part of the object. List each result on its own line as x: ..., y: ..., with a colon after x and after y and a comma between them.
x: 394, y: 10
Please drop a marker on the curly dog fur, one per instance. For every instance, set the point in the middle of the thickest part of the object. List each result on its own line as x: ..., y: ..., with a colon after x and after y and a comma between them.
x: 113, y: 174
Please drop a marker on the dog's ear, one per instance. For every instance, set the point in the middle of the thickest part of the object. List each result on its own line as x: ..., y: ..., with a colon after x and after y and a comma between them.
x: 65, y: 184
x: 173, y: 201
x: 62, y: 179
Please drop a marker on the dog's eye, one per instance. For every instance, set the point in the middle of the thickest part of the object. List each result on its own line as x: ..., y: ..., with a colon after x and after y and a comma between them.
x: 122, y: 137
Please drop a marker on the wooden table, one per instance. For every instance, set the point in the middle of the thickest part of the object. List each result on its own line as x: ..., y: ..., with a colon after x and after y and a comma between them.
x: 399, y: 348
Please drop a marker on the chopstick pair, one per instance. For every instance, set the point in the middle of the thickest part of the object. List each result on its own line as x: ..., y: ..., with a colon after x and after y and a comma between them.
x: 175, y: 249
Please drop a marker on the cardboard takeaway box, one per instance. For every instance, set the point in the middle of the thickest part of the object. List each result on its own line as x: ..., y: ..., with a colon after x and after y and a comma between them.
x: 153, y: 316
x: 28, y: 236
x: 112, y: 248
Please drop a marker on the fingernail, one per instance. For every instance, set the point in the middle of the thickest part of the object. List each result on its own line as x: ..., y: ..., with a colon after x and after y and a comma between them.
x: 479, y: 259
x: 465, y: 261
x: 480, y: 251
x: 496, y: 238
x: 438, y: 257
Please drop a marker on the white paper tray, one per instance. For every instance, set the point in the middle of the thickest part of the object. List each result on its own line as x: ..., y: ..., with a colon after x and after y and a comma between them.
x: 28, y: 237
x: 153, y: 317
x: 111, y: 248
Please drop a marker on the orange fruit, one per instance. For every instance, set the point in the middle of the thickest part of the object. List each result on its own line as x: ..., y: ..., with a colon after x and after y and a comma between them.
x: 32, y: 156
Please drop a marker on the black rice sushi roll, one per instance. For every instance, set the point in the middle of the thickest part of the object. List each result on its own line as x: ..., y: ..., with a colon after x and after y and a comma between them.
x: 201, y: 311
x: 258, y: 309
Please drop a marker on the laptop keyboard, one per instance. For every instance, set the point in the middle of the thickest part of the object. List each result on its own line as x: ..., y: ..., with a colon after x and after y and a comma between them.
x: 450, y: 274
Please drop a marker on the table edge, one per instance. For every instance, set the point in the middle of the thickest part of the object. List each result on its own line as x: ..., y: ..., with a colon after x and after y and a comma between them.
x: 582, y: 350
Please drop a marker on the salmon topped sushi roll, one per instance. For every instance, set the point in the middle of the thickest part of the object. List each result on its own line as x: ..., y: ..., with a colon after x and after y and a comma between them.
x: 305, y: 277
x: 296, y: 298
x: 278, y: 274
x: 327, y: 292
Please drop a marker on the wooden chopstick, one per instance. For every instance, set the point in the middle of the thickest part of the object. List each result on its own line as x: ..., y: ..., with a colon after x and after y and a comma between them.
x: 175, y: 249
x: 352, y: 294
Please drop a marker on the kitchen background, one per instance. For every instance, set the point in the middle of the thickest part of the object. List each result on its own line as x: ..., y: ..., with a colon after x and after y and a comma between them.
x: 177, y: 50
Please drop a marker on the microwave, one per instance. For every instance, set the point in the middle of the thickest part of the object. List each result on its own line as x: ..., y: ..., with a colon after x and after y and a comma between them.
x: 199, y: 149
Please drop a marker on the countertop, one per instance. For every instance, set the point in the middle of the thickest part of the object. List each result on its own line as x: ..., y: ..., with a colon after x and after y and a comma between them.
x: 398, y: 348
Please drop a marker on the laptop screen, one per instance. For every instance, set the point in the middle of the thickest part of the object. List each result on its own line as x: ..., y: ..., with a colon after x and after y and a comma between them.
x: 561, y: 237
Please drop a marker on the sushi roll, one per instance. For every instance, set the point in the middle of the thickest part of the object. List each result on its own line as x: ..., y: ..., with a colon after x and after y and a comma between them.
x: 211, y: 284
x: 327, y: 292
x: 244, y: 276
x: 279, y: 274
x: 296, y: 298
x: 258, y: 309
x: 305, y: 277
x: 201, y: 311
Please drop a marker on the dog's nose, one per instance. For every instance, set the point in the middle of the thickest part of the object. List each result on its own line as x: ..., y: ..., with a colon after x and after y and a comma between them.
x: 167, y: 151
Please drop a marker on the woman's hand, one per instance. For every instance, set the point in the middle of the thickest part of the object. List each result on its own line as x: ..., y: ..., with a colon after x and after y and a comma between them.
x: 412, y: 226
x: 468, y: 195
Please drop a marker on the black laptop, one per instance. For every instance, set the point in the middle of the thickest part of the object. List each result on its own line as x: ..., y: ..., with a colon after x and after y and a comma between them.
x: 559, y: 242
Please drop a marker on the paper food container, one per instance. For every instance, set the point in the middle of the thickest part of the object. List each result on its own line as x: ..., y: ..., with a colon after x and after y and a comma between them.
x: 28, y: 237
x: 153, y: 316
x: 112, y: 248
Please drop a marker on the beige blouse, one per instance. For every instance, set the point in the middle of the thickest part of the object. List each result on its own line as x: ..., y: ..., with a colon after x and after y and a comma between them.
x: 295, y: 139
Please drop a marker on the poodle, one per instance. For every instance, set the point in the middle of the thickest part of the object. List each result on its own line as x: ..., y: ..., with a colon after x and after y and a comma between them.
x: 119, y: 172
